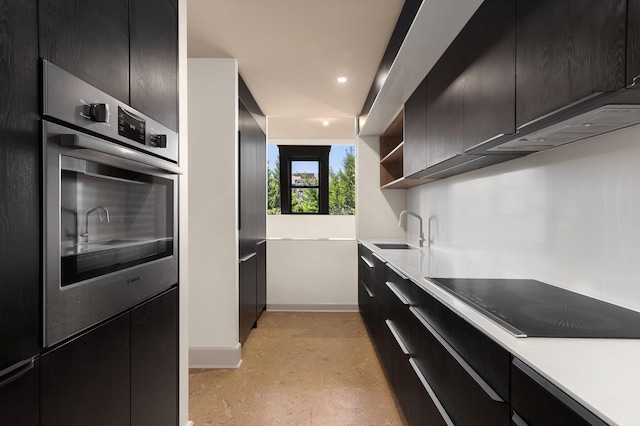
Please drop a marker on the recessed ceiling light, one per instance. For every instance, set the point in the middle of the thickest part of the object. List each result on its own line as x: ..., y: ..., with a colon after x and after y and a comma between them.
x: 325, y: 123
x: 341, y: 79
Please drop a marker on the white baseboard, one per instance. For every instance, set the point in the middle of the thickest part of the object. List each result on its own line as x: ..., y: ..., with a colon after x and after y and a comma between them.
x: 321, y: 307
x: 189, y: 423
x: 200, y: 357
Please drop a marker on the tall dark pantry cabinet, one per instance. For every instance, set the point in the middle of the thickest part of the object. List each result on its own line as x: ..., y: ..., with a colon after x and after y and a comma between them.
x: 20, y: 287
x: 122, y: 370
x: 252, y: 210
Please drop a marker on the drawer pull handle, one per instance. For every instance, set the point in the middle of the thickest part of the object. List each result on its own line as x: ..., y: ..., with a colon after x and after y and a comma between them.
x: 396, y: 336
x: 517, y: 420
x: 366, y: 289
x: 400, y: 274
x: 367, y: 261
x: 432, y: 395
x: 378, y: 257
x: 18, y: 371
x: 247, y: 257
x: 395, y: 291
x: 479, y: 380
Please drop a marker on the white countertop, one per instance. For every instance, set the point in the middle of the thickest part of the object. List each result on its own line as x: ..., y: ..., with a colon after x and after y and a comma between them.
x: 601, y: 374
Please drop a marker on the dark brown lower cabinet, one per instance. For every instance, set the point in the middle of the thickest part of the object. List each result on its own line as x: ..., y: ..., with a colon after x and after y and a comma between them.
x: 154, y: 362
x: 123, y: 372
x: 248, y: 296
x: 536, y: 401
x: 424, y: 408
x: 19, y: 396
x: 261, y: 277
x: 86, y: 381
x: 445, y: 371
x: 465, y: 396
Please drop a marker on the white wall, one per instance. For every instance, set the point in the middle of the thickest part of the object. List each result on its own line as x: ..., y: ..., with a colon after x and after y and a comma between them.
x: 213, y: 247
x: 311, y: 260
x: 312, y: 275
x: 569, y: 216
x: 183, y: 350
x: 378, y: 210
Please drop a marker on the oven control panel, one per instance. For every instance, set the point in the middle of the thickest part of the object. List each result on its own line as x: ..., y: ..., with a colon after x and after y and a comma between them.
x: 131, y: 126
x: 68, y: 99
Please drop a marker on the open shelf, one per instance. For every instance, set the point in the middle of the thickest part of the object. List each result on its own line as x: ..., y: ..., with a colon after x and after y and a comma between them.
x: 395, y: 154
x: 391, y: 157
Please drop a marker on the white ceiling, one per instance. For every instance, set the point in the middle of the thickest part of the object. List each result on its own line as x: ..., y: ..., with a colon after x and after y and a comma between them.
x: 290, y: 52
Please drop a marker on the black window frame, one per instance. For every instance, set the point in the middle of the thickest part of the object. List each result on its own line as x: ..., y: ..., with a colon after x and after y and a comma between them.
x: 290, y: 153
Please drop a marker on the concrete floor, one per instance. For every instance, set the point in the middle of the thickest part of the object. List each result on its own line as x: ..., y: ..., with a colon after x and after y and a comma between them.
x: 298, y: 369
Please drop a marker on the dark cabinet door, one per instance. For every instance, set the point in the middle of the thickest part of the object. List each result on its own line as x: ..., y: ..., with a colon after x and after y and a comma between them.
x: 261, y: 277
x: 424, y: 409
x: 444, y: 106
x: 247, y: 178
x: 248, y: 296
x: 20, y: 322
x: 89, y: 39
x: 87, y: 379
x: 539, y: 402
x: 466, y: 398
x: 566, y: 51
x: 261, y: 183
x: 154, y: 361
x: 415, y: 131
x: 489, y: 72
x: 20, y: 396
x: 633, y: 41
x: 490, y: 361
x: 154, y: 60
x: 366, y: 295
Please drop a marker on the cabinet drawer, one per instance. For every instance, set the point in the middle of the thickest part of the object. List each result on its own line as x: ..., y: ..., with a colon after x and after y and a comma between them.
x: 538, y: 402
x: 397, y: 296
x: 425, y: 408
x: 465, y: 396
x: 365, y: 264
x: 485, y: 356
x: 365, y: 304
x: 19, y: 395
x: 395, y: 357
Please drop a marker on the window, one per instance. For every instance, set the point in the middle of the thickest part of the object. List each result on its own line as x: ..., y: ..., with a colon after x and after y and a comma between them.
x: 305, y: 179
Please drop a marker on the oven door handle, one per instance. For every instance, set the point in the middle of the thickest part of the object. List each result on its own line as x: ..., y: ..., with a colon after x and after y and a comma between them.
x: 78, y: 141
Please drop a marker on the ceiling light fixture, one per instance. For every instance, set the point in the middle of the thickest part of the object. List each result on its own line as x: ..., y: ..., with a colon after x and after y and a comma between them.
x: 325, y: 122
x: 341, y: 79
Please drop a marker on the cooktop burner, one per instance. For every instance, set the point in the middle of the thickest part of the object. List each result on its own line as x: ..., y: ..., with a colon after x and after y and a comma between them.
x: 529, y: 308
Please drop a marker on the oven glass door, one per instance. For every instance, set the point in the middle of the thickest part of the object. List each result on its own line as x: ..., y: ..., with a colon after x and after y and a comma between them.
x: 111, y: 219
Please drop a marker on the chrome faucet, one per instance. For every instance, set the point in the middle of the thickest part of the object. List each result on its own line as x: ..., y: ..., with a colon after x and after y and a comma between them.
x: 405, y: 212
x: 84, y: 233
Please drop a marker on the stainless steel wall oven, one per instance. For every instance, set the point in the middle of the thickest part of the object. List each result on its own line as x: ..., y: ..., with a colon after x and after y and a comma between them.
x: 110, y: 206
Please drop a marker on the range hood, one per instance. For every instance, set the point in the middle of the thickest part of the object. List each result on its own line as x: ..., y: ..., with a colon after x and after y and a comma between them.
x: 595, y: 115
x: 597, y: 122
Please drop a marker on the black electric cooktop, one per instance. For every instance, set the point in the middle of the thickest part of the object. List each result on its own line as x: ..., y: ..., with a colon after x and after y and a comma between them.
x: 529, y: 308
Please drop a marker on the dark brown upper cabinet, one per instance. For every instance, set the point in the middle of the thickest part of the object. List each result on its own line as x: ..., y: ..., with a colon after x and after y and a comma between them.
x: 89, y: 39
x: 567, y: 51
x: 633, y: 42
x: 445, y: 84
x: 128, y: 49
x: 415, y: 131
x: 489, y: 78
x: 154, y: 60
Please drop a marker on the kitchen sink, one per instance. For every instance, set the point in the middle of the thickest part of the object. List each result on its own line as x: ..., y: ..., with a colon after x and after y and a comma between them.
x: 394, y: 246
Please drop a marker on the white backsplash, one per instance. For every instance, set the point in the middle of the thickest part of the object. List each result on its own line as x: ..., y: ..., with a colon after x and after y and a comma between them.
x: 569, y: 216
